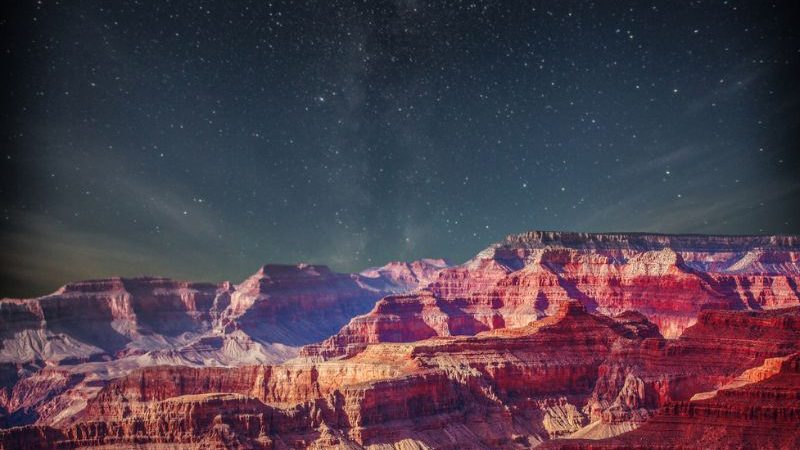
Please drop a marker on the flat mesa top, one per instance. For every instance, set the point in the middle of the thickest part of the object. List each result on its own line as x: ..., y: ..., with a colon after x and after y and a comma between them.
x: 651, y: 241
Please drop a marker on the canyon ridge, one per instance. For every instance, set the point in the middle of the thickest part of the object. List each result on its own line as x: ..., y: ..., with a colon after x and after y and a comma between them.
x: 546, y: 339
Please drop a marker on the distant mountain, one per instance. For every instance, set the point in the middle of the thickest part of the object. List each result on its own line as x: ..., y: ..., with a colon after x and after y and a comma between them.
x: 95, y: 330
x: 574, y: 375
x: 668, y: 278
x: 565, y: 340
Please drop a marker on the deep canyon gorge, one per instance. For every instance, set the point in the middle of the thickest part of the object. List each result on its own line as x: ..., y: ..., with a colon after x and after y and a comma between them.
x: 546, y: 339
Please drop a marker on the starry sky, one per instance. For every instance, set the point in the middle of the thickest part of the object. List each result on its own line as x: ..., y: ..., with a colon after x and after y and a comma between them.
x: 200, y: 139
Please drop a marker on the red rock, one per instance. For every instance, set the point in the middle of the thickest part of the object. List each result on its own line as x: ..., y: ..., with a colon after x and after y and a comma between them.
x: 515, y: 347
x: 670, y: 279
x: 759, y: 410
x: 634, y: 382
x: 503, y: 388
x: 102, y: 329
x: 527, y: 381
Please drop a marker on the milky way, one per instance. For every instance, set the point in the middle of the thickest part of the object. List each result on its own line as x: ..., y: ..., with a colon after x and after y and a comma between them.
x: 202, y: 139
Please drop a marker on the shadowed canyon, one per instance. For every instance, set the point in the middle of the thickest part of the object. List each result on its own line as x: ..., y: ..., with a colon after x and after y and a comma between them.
x: 544, y: 340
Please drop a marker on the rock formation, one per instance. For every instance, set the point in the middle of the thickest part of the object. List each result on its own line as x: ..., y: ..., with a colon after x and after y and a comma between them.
x: 670, y: 279
x: 760, y: 409
x: 506, y: 388
x: 571, y: 340
x: 381, y: 392
x: 633, y: 383
x: 55, y: 350
x: 399, y: 276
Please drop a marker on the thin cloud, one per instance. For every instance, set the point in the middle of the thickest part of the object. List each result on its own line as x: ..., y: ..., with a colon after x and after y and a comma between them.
x: 637, y: 212
x: 680, y: 156
x: 46, y: 254
x: 732, y: 83
x: 171, y: 207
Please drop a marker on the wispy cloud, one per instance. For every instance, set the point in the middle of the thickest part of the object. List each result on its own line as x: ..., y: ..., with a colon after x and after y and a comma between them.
x: 44, y: 254
x: 173, y: 206
x: 735, y: 81
x: 671, y: 158
x: 637, y: 212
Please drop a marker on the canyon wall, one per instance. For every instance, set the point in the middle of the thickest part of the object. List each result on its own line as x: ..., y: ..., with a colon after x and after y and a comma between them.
x: 577, y: 340
x: 56, y: 350
x: 669, y: 279
x: 517, y: 387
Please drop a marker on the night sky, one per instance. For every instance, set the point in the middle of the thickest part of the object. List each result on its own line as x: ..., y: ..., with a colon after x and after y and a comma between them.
x: 200, y: 140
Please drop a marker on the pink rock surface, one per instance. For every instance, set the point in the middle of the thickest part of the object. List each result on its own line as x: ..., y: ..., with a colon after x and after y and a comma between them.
x: 504, y: 388
x: 761, y: 410
x: 670, y: 279
x: 55, y: 350
x: 545, y: 335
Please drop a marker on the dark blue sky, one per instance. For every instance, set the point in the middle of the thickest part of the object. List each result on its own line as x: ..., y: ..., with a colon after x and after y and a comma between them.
x: 202, y: 139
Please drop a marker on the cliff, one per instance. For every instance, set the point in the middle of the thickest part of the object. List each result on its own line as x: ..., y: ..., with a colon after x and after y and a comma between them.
x: 57, y: 349
x: 760, y: 409
x: 506, y: 388
x: 546, y: 335
x: 669, y: 279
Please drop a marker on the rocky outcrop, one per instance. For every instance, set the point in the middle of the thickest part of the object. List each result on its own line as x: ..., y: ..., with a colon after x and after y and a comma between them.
x: 92, y: 319
x: 400, y: 276
x: 634, y: 382
x: 513, y: 387
x: 670, y: 279
x: 55, y: 350
x: 49, y: 343
x: 294, y: 304
x: 760, y: 409
x: 528, y: 382
x: 542, y: 336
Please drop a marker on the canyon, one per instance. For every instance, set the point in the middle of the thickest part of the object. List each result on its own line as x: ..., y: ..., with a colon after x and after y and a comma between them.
x: 57, y: 350
x: 669, y: 279
x: 546, y: 339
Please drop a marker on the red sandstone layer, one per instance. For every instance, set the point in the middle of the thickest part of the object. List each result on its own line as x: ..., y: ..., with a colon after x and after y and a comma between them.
x: 506, y: 388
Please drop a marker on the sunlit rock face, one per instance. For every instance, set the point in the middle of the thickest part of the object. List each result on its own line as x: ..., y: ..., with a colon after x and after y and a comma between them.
x: 566, y: 381
x: 394, y: 390
x: 56, y: 350
x: 669, y: 279
x: 567, y: 339
x: 759, y: 409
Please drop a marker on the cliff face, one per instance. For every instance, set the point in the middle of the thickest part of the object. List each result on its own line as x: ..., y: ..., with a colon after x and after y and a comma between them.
x: 504, y: 388
x: 760, y: 409
x: 670, y: 279
x: 389, y: 390
x: 543, y: 336
x: 295, y: 304
x: 399, y: 276
x: 56, y: 350
x: 633, y: 383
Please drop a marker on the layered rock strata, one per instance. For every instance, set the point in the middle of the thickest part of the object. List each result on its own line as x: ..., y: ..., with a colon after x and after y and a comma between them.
x: 669, y: 279
x: 506, y: 388
x: 56, y: 350
x: 760, y: 409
